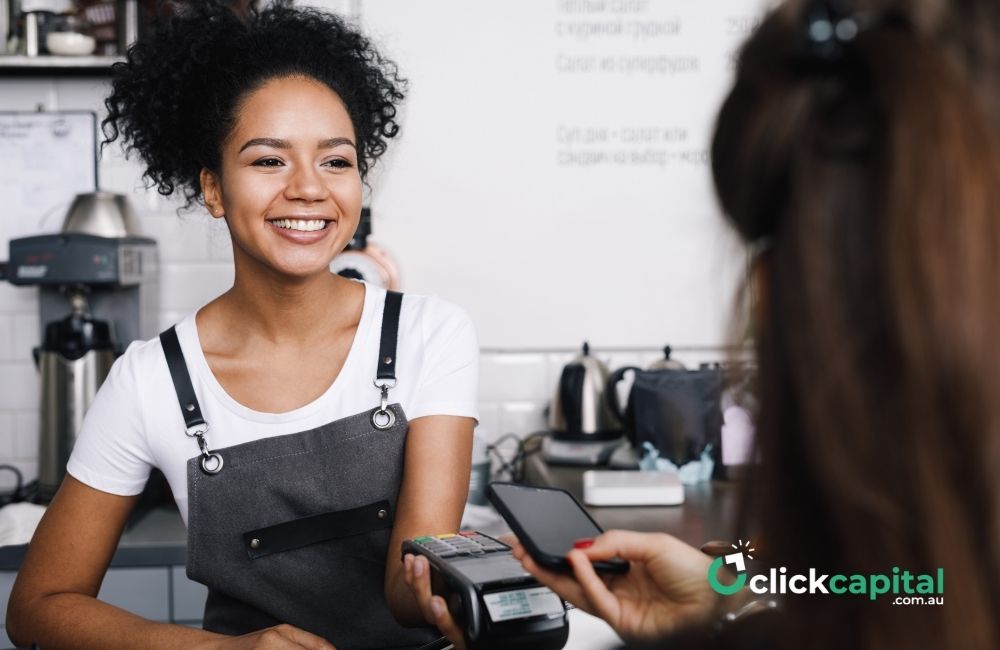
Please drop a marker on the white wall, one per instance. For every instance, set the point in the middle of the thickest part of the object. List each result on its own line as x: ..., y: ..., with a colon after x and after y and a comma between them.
x: 474, y: 204
x: 487, y: 200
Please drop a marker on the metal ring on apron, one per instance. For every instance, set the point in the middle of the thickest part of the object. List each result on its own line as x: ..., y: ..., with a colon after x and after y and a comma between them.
x: 383, y: 419
x: 214, y: 469
x: 211, y: 461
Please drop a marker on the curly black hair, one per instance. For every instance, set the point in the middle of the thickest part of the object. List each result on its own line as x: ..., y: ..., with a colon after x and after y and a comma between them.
x: 175, y: 98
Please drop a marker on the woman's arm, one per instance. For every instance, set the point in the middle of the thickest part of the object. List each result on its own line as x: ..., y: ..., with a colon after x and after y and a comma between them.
x: 54, y: 601
x: 431, y: 498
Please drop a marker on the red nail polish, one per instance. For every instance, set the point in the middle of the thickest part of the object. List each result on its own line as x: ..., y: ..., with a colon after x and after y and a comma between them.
x: 583, y: 543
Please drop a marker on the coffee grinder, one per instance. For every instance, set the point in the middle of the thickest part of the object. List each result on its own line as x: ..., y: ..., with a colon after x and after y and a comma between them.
x: 96, y: 294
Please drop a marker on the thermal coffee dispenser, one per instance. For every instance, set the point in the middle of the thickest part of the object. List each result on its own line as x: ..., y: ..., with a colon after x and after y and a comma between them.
x: 96, y: 295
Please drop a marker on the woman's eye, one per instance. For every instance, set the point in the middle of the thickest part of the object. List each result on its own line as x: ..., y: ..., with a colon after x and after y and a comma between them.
x: 267, y: 162
x: 338, y: 163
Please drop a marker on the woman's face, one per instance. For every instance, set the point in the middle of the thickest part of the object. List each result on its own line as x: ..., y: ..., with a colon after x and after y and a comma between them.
x: 290, y: 188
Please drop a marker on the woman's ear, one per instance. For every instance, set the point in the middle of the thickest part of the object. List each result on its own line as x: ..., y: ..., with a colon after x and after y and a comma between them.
x: 211, y: 189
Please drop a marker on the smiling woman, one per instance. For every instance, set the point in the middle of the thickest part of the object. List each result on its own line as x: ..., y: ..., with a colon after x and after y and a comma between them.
x: 297, y: 416
x: 288, y: 181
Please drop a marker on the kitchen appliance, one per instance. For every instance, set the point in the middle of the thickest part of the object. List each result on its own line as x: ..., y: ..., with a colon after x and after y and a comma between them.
x: 582, y: 425
x: 667, y: 362
x: 109, y: 286
x: 675, y: 409
x: 121, y: 275
x: 103, y: 214
x: 74, y: 359
x: 364, y: 260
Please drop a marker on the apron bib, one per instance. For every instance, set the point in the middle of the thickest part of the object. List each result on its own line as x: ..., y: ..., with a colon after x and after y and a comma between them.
x: 295, y: 528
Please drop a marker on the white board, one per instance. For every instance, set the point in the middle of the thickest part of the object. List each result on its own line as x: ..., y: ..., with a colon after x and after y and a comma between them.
x: 46, y: 159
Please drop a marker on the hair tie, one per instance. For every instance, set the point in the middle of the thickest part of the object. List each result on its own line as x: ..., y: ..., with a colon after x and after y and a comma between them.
x: 830, y: 30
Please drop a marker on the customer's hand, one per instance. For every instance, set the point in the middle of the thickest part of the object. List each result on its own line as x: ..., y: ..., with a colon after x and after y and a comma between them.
x: 665, y: 589
x: 417, y: 575
x: 279, y: 637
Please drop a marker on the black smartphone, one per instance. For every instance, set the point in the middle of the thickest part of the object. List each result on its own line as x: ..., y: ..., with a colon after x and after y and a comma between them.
x: 548, y: 521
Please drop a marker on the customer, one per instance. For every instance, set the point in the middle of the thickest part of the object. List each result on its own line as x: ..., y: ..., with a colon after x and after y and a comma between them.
x: 858, y: 154
x: 299, y: 495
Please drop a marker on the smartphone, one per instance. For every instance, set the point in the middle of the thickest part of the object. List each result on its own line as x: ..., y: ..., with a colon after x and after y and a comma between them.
x: 548, y: 521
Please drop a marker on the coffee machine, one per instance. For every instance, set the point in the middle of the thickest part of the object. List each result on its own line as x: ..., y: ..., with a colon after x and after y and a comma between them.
x: 96, y: 295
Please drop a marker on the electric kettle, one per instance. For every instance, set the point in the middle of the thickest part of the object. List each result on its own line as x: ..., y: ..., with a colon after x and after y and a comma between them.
x: 579, y: 409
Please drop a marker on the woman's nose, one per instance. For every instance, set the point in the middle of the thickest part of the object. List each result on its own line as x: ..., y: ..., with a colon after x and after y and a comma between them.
x: 305, y: 183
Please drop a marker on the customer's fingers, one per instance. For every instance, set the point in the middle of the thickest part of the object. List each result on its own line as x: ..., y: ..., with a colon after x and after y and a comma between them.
x: 715, y: 548
x: 628, y: 545
x: 509, y: 539
x: 604, y: 604
x: 564, y: 585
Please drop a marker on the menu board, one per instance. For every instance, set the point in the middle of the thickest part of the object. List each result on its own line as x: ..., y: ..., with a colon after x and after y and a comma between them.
x: 48, y: 158
x: 553, y: 175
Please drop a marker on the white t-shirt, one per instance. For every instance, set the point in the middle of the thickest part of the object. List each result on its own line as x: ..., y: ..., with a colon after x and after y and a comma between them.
x: 135, y: 422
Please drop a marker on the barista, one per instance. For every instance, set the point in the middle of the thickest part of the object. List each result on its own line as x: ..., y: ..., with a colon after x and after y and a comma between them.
x: 306, y: 423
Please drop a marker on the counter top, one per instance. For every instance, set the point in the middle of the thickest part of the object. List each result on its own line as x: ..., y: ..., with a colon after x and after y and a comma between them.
x: 709, y: 511
x: 158, y: 538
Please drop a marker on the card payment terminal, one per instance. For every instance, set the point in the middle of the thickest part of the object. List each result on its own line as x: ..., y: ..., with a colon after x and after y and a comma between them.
x: 491, y: 597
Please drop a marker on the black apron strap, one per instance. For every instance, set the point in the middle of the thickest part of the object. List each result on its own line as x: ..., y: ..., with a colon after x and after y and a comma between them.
x: 390, y: 334
x: 190, y: 408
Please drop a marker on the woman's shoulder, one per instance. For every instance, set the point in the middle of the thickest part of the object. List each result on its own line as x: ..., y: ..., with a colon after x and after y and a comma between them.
x: 142, y: 363
x: 432, y: 312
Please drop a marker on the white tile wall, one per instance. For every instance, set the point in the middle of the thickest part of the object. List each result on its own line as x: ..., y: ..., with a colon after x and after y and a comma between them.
x: 512, y: 376
x: 15, y: 301
x: 8, y: 437
x: 26, y: 430
x: 20, y: 385
x: 26, y: 333
x: 6, y: 336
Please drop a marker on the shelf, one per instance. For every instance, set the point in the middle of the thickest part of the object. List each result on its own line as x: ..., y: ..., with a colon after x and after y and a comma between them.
x: 51, y: 65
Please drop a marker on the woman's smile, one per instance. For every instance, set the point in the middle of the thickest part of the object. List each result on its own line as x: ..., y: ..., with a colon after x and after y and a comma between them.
x: 303, y: 230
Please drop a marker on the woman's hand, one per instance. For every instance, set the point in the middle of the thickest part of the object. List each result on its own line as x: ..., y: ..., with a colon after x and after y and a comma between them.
x: 665, y: 588
x: 417, y: 574
x: 279, y: 637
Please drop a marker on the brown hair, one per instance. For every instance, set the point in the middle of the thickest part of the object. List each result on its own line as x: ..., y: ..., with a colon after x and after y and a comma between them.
x: 871, y: 181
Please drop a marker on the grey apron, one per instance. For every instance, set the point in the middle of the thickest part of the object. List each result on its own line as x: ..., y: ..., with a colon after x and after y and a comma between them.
x: 295, y: 528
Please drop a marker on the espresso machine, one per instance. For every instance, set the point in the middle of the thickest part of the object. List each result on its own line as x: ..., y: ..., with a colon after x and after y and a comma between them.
x: 98, y: 290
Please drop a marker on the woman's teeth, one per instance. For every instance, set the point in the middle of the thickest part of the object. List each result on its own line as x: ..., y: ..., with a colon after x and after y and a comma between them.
x: 300, y: 224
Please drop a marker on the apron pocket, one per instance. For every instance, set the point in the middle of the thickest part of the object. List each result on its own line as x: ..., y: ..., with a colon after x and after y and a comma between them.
x: 305, y: 531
